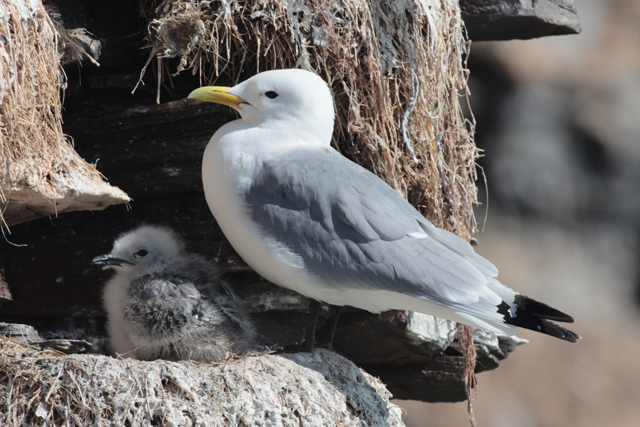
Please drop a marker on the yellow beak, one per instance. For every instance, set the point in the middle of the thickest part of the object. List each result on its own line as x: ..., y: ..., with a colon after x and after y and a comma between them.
x: 217, y: 94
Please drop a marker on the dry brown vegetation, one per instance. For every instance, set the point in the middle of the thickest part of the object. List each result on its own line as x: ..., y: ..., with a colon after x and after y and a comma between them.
x: 40, y: 172
x: 396, y: 70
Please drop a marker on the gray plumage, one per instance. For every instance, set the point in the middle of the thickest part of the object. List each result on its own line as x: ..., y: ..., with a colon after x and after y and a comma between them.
x: 366, y: 223
x: 163, y: 303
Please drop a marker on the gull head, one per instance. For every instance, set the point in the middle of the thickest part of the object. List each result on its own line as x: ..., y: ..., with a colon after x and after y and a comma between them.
x: 143, y: 246
x: 283, y: 100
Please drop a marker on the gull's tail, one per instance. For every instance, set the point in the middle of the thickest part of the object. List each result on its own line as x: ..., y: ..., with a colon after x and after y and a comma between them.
x: 537, y: 316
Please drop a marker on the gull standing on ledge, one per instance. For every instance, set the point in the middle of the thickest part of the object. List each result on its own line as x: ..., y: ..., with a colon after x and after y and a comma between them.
x: 308, y: 219
x: 164, y: 303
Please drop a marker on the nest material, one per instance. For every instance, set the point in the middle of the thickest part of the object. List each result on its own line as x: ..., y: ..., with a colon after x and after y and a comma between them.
x: 40, y: 172
x: 321, y: 389
x: 396, y: 70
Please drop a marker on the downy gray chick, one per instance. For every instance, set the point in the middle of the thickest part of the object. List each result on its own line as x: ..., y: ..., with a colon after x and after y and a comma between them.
x: 163, y: 303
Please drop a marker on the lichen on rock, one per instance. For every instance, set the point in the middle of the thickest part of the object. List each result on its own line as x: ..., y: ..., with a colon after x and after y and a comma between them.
x: 308, y: 389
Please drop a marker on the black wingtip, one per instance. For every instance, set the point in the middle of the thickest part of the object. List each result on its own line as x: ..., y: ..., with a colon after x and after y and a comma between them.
x: 536, y: 317
x: 555, y: 330
x: 541, y: 310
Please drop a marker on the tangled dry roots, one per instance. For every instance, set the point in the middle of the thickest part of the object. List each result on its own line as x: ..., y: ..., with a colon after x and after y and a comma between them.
x: 396, y: 70
x: 37, y: 161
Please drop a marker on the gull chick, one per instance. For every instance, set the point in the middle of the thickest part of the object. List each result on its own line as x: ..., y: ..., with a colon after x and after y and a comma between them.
x: 163, y: 303
x: 308, y: 219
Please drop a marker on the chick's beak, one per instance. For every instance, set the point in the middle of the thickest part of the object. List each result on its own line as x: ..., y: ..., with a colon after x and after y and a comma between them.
x: 217, y: 94
x: 107, y: 260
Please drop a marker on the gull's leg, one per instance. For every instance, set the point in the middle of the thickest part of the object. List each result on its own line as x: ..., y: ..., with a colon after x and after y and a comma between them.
x: 309, y: 336
x: 335, y: 314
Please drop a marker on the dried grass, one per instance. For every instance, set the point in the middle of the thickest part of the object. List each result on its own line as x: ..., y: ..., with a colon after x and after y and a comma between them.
x: 37, y: 161
x: 396, y: 70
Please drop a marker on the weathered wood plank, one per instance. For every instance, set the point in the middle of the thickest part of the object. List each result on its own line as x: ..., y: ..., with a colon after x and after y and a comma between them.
x: 439, y: 380
x: 149, y: 151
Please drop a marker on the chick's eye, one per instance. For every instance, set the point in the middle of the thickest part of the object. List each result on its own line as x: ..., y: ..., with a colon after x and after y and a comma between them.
x: 142, y: 253
x: 271, y: 94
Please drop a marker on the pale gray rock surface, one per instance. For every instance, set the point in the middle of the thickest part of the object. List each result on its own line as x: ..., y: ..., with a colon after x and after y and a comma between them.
x: 23, y: 333
x: 516, y: 19
x: 306, y: 389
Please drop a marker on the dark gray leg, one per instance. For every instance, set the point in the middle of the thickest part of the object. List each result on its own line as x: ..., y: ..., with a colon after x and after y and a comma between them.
x: 309, y: 336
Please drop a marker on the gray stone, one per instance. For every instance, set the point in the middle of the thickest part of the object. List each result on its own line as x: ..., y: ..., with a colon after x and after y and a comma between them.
x: 515, y: 19
x: 23, y: 333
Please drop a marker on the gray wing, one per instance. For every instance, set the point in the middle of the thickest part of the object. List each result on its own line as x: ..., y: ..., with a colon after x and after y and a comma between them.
x: 354, y: 231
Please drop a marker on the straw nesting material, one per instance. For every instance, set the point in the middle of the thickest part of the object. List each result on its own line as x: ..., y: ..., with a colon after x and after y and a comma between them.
x: 396, y: 70
x: 40, y: 172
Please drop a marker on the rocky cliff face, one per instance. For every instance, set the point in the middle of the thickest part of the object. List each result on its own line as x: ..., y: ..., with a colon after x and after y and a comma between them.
x: 311, y: 389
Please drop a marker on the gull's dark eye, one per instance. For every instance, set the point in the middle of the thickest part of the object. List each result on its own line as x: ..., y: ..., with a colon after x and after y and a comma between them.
x: 142, y: 253
x: 271, y: 94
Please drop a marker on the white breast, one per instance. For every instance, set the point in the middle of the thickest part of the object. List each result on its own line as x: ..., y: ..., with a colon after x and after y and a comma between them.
x: 227, y: 172
x: 115, y: 299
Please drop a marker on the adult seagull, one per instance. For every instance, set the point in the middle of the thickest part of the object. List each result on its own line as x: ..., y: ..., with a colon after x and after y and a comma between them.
x: 308, y: 219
